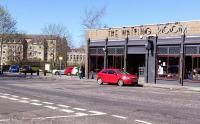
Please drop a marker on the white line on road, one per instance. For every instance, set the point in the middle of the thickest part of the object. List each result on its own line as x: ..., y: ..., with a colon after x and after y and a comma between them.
x: 81, y: 114
x: 3, y: 96
x: 55, y: 117
x: 67, y: 110
x: 97, y: 113
x: 65, y: 106
x: 24, y: 101
x: 80, y: 109
x: 6, y: 94
x: 14, y: 99
x: 37, y: 104
x: 35, y: 100
x: 24, y: 98
x: 14, y: 96
x: 51, y: 107
x: 4, y: 120
x: 49, y: 103
x: 144, y: 122
x: 117, y: 116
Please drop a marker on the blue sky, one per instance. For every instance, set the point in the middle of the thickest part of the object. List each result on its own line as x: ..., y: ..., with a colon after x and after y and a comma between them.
x: 33, y: 15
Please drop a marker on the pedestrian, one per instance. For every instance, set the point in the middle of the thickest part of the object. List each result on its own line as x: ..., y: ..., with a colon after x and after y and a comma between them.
x: 80, y: 71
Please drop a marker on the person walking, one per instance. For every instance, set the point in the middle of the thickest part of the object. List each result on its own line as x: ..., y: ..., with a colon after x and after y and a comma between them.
x: 80, y: 71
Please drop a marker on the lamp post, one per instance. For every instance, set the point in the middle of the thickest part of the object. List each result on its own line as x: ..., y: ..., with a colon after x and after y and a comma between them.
x: 1, y: 71
x: 60, y: 59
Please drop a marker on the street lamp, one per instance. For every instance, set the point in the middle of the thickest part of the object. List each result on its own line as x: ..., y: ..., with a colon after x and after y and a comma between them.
x: 60, y: 59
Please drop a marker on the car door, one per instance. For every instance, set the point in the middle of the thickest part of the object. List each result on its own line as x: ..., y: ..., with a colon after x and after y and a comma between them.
x: 111, y: 76
x: 103, y: 75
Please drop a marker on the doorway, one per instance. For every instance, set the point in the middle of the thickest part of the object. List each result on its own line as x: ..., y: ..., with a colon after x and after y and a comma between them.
x: 134, y: 62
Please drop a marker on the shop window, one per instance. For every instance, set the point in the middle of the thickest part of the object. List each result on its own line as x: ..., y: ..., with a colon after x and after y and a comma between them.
x: 100, y: 51
x: 190, y: 50
x: 111, y: 51
x: 120, y: 50
x: 162, y: 50
x: 92, y: 51
x: 192, y: 68
x: 168, y: 67
x: 174, y: 50
x: 96, y: 63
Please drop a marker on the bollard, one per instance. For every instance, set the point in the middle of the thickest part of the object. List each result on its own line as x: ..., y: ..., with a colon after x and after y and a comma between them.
x: 38, y: 73
x: 92, y: 77
x: 45, y: 73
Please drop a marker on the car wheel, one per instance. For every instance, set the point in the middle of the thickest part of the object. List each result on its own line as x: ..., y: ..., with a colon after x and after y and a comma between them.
x: 57, y: 73
x: 120, y: 82
x: 99, y: 81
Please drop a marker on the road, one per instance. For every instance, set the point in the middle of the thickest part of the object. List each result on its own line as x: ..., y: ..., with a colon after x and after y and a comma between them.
x: 46, y: 101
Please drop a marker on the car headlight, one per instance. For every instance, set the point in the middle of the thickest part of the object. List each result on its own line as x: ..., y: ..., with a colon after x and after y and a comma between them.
x: 124, y: 78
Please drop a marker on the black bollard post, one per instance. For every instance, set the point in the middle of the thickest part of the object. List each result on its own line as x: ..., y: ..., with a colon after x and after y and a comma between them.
x: 45, y: 73
x: 38, y: 73
x: 92, y: 75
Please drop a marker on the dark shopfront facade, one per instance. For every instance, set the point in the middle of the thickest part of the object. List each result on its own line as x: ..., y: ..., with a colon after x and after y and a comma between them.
x: 166, y: 52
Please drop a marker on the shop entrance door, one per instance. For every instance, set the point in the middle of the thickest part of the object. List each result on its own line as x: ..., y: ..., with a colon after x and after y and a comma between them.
x: 135, y: 63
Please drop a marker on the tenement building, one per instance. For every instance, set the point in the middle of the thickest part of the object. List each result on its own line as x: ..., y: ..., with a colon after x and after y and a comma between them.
x: 166, y: 52
x: 33, y: 49
x: 76, y: 57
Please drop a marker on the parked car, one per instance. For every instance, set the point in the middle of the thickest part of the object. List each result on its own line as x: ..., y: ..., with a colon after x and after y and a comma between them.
x: 14, y: 68
x: 27, y: 69
x: 116, y: 76
x: 68, y: 70
x: 57, y: 72
x: 75, y: 71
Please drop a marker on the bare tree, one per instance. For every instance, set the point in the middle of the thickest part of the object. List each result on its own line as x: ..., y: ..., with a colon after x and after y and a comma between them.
x: 92, y: 18
x: 7, y: 23
x: 58, y: 30
x: 7, y: 27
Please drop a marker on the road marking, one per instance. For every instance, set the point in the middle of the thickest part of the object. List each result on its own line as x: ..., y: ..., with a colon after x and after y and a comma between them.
x: 55, y: 117
x: 144, y: 122
x: 14, y: 99
x: 14, y: 96
x: 67, y: 110
x: 35, y: 100
x: 97, y: 113
x: 24, y: 101
x: 6, y: 94
x: 80, y: 109
x: 4, y: 120
x: 24, y: 98
x: 81, y: 114
x: 35, y: 104
x: 117, y: 116
x: 65, y: 106
x: 49, y: 103
x: 3, y: 96
x: 51, y: 107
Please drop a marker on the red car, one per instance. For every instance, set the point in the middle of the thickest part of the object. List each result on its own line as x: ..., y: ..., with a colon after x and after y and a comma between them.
x: 68, y: 70
x: 116, y: 76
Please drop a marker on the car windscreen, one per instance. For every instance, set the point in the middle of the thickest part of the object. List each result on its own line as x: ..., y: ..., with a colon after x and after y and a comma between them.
x: 122, y: 72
